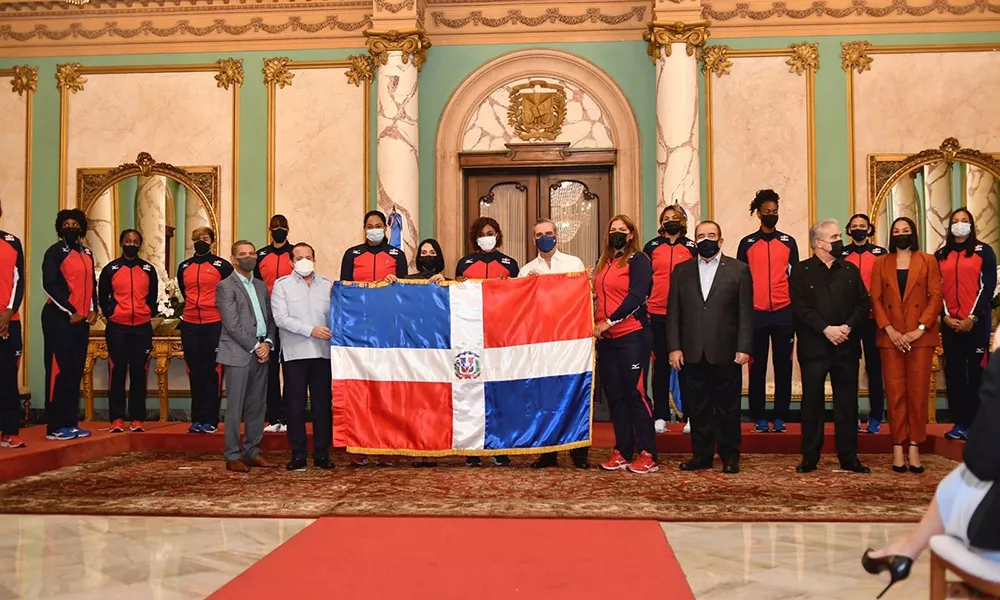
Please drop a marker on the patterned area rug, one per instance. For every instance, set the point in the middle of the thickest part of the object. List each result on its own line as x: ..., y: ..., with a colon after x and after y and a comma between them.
x: 167, y: 483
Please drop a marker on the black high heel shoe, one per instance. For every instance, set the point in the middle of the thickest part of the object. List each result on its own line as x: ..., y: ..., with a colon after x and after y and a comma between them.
x: 897, y: 566
x: 902, y: 468
x: 913, y: 469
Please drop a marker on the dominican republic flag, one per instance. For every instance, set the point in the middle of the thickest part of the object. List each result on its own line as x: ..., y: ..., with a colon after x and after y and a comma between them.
x: 475, y: 368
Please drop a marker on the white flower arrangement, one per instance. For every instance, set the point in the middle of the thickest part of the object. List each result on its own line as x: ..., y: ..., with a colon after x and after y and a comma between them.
x: 170, y: 304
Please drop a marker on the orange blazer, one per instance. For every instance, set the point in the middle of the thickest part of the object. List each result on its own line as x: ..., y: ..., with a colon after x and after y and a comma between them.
x: 921, y: 303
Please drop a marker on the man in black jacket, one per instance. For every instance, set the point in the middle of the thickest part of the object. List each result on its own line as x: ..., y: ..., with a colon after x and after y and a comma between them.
x: 830, y: 305
x: 709, y: 338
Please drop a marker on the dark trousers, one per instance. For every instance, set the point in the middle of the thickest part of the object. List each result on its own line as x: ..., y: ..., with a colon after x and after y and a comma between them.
x: 843, y: 371
x: 712, y: 401
x: 624, y: 362
x: 10, y: 396
x: 964, y: 356
x: 873, y: 367
x: 200, y: 345
x: 128, y: 352
x: 65, y: 356
x: 275, y: 402
x: 661, y: 368
x: 774, y: 329
x: 575, y: 454
x: 310, y: 375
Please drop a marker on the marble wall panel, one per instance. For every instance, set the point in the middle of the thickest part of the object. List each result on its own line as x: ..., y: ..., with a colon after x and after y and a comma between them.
x: 13, y: 132
x: 981, y: 196
x: 910, y: 102
x: 586, y: 126
x: 319, y: 163
x: 101, y: 236
x: 183, y: 119
x: 937, y: 205
x: 151, y: 220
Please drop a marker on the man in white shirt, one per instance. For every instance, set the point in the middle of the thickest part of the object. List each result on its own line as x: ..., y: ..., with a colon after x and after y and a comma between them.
x: 550, y: 260
x: 301, y: 306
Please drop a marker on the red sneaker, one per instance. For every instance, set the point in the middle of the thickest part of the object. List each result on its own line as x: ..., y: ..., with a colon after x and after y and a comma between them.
x: 644, y: 464
x: 136, y: 427
x: 12, y: 441
x: 616, y: 463
x: 117, y: 426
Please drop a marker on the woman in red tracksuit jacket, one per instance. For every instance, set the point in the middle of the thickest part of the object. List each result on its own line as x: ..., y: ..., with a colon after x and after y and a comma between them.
x: 622, y: 281
x: 486, y: 263
x: 969, y: 279
x: 127, y: 292
x: 667, y: 250
x: 771, y: 255
x: 374, y: 260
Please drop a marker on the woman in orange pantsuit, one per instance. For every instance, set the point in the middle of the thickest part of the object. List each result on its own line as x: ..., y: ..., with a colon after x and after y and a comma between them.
x: 906, y: 301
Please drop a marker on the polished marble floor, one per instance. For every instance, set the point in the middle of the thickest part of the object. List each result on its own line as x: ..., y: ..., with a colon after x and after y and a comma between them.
x: 63, y: 557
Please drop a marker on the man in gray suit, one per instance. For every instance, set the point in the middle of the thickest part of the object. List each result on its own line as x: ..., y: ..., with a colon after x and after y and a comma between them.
x: 248, y: 331
x: 710, y: 337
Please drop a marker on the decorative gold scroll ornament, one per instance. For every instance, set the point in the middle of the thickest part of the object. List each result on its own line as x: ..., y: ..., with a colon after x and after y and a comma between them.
x: 662, y: 35
x: 413, y: 43
x: 25, y: 79
x: 715, y: 59
x: 362, y: 69
x: 276, y: 71
x: 805, y: 57
x: 230, y: 73
x: 68, y: 77
x: 537, y: 110
x: 854, y: 55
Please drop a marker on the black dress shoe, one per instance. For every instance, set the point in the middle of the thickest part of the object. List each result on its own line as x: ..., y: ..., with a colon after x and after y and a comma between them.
x: 899, y: 468
x: 855, y: 467
x: 322, y: 462
x: 545, y: 461
x: 296, y: 464
x: 917, y: 470
x: 473, y: 461
x: 696, y: 464
x: 897, y: 566
x: 580, y: 462
x: 731, y: 468
x: 805, y: 467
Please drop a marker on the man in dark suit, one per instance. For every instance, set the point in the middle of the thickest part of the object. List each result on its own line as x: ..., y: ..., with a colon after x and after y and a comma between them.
x: 830, y: 306
x: 710, y: 337
x: 248, y: 334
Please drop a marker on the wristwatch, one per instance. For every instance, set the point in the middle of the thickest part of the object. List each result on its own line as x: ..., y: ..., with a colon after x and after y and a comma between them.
x: 922, y: 327
x: 974, y: 318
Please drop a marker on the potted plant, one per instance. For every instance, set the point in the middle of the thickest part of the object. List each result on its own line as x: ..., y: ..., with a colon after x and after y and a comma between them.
x: 170, y: 306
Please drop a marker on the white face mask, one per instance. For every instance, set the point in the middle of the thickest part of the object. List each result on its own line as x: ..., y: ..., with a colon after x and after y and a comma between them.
x: 375, y: 236
x: 961, y: 230
x: 487, y: 242
x: 305, y: 267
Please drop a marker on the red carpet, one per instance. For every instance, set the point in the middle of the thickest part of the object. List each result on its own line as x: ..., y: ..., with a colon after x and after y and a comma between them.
x: 486, y: 559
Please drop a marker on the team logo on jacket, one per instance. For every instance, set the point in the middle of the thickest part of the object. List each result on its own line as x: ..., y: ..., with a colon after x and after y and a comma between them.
x: 467, y: 365
x: 217, y: 263
x: 393, y: 252
x: 784, y: 238
x: 145, y: 268
x: 9, y: 237
x: 504, y: 261
x: 876, y: 250
x: 979, y: 248
x: 115, y: 267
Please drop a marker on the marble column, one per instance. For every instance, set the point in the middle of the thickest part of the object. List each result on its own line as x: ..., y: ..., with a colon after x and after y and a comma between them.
x: 151, y: 220
x: 673, y: 48
x: 904, y: 202
x: 981, y: 195
x: 101, y: 238
x: 937, y: 204
x: 195, y: 216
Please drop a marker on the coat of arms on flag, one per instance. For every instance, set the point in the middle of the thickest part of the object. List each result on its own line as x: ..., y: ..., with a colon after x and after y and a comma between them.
x: 477, y: 367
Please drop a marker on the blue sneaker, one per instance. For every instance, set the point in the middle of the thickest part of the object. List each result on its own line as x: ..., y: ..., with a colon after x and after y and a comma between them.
x: 958, y: 432
x: 80, y: 433
x: 195, y: 428
x: 874, y: 425
x: 779, y: 426
x: 66, y: 433
x: 206, y: 428
x: 761, y: 427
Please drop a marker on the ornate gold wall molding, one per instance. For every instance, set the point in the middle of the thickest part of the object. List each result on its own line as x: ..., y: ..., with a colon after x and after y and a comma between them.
x: 412, y: 43
x: 362, y: 69
x: 545, y: 120
x: 230, y: 73
x: 715, y: 59
x: 804, y: 59
x: 276, y: 72
x: 661, y: 35
x: 551, y: 16
x: 69, y: 78
x: 854, y: 56
x: 24, y: 79
x: 854, y: 8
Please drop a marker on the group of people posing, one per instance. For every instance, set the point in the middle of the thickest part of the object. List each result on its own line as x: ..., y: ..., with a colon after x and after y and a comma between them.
x: 700, y: 316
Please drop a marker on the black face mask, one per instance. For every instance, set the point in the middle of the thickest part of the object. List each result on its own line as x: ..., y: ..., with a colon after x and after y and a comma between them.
x: 202, y: 247
x: 617, y: 240
x: 279, y: 235
x: 903, y: 242
x: 708, y: 248
x: 71, y: 235
x: 670, y: 228
x: 769, y: 221
x: 430, y: 265
x: 836, y: 248
x: 130, y: 252
x: 859, y: 235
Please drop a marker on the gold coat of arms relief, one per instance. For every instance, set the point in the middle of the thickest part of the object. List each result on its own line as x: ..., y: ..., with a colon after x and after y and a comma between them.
x: 537, y: 110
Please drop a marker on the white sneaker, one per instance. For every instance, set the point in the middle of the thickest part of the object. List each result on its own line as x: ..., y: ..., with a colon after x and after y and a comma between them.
x: 282, y: 428
x: 687, y: 427
x: 660, y: 425
x: 273, y: 428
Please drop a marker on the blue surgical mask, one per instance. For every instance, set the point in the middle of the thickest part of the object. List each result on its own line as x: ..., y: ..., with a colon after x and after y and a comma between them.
x: 545, y: 243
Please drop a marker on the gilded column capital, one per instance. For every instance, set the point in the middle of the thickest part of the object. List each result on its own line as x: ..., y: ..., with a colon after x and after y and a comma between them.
x: 69, y: 78
x: 230, y: 72
x: 413, y: 43
x: 661, y: 34
x: 854, y: 55
x: 25, y: 79
x: 276, y: 71
x: 362, y: 69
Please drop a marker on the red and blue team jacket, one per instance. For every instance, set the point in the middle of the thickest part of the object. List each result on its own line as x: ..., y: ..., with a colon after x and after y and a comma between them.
x: 68, y: 278
x: 273, y: 264
x: 487, y: 265
x: 665, y: 256
x: 863, y: 257
x: 968, y: 282
x: 196, y: 279
x: 771, y: 257
x: 127, y: 291
x: 11, y: 274
x: 621, y: 294
x: 373, y: 263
